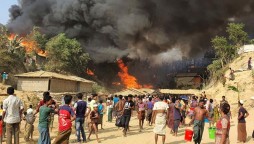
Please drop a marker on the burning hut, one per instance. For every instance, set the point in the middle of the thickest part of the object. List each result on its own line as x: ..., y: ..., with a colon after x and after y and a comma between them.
x: 53, y: 82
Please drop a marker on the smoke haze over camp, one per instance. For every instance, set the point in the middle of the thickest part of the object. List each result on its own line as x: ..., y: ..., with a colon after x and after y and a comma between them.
x: 153, y: 30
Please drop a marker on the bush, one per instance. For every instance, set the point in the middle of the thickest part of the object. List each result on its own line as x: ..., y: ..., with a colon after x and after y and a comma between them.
x: 97, y: 88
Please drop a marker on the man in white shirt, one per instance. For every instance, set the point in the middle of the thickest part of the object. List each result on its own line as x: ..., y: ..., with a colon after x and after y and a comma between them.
x: 94, y: 98
x: 12, y: 111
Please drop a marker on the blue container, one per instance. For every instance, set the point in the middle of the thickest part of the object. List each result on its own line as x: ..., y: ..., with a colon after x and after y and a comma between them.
x: 206, y: 120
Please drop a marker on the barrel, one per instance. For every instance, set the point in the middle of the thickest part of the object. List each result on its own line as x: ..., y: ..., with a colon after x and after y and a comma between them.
x: 188, y: 135
x: 212, y: 131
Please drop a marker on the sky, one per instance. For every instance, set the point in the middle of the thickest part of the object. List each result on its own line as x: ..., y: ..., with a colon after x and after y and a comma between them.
x: 4, y: 7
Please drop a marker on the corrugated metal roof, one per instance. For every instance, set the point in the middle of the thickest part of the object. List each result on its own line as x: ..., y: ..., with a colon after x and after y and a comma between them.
x: 45, y: 74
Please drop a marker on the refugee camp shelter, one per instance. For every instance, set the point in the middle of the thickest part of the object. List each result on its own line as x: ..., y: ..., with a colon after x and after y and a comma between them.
x: 134, y: 91
x: 53, y: 82
x: 188, y: 80
x: 177, y: 92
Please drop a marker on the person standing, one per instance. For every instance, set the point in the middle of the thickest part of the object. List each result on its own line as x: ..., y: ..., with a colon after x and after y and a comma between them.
x: 44, y: 115
x: 170, y: 121
x: 249, y: 64
x: 80, y: 106
x: 223, y: 100
x: 141, y: 113
x: 66, y: 116
x: 241, y: 127
x: 110, y: 109
x: 199, y: 115
x: 94, y: 116
x: 128, y: 107
x: 101, y: 111
x: 88, y: 110
x: 12, y: 113
x: 29, y: 127
x: 119, y: 106
x: 216, y: 113
x: 115, y: 101
x: 160, y: 114
x: 42, y: 102
x: 149, y: 107
x: 223, y: 126
x: 184, y: 111
x: 94, y: 101
x: 177, y: 116
x: 209, y: 108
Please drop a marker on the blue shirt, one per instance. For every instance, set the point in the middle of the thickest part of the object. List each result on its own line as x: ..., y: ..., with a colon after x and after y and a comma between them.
x: 100, y: 109
x: 177, y: 114
x: 116, y: 99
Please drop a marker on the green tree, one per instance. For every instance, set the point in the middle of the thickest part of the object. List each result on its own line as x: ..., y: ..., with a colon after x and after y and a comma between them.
x: 66, y: 55
x: 222, y: 49
x: 11, y: 53
x: 14, y: 45
x: 236, y: 34
x: 40, y: 38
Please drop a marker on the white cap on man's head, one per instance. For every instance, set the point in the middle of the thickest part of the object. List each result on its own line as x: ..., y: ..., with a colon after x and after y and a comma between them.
x: 241, y: 101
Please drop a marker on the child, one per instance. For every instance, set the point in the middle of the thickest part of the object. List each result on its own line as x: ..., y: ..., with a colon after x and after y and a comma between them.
x: 29, y: 127
x: 66, y: 116
x: 141, y: 113
x: 44, y: 115
x: 100, y: 111
x: 94, y: 116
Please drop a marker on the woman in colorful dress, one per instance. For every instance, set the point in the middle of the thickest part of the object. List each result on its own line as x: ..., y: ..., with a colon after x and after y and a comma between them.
x: 223, y: 126
x: 170, y: 121
x: 216, y: 113
x: 241, y: 127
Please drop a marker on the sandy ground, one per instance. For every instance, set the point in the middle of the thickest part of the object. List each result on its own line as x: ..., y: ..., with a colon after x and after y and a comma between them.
x: 113, y: 135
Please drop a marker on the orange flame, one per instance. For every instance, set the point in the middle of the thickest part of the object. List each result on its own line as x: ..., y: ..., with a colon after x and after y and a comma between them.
x: 11, y: 36
x: 30, y: 46
x: 89, y: 72
x: 128, y: 80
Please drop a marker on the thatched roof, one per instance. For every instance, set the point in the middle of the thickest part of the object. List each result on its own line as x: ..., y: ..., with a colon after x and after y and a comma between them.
x: 177, y: 91
x: 45, y: 74
x: 133, y: 91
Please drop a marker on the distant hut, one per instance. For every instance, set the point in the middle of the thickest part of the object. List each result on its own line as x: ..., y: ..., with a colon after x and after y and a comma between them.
x: 53, y: 82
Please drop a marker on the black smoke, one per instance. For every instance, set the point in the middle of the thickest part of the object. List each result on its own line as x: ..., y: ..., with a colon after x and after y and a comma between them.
x: 153, y: 30
x: 150, y: 34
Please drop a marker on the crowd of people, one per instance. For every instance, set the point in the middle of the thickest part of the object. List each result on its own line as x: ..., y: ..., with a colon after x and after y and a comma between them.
x: 159, y: 110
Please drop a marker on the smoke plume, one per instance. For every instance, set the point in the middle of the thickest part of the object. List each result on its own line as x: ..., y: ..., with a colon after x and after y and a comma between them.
x: 152, y: 30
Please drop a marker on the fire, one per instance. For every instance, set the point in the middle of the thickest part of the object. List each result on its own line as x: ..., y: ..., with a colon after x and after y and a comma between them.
x: 128, y: 80
x: 89, y: 72
x: 30, y: 46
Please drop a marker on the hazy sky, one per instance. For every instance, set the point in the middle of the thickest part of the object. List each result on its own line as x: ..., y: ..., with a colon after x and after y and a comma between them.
x: 4, y: 7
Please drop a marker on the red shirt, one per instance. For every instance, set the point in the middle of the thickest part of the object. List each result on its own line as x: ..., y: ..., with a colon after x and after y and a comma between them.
x: 65, y: 113
x: 41, y: 103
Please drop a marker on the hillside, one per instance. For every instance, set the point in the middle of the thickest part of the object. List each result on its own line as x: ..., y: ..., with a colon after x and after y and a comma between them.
x: 244, y: 80
x: 27, y: 97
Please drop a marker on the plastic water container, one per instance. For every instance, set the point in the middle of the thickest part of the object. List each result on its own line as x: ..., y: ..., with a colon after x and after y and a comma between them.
x: 188, y: 135
x: 212, y: 131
